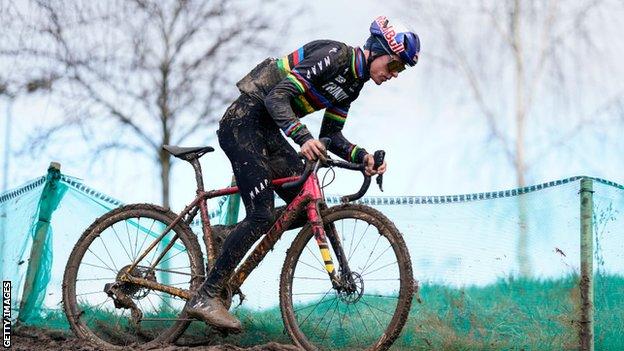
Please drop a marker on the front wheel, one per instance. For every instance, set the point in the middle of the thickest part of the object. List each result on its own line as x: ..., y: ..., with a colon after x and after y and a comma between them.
x: 369, y: 316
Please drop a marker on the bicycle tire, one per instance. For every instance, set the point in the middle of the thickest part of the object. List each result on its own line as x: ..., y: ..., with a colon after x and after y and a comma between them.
x: 387, y: 230
x: 74, y: 312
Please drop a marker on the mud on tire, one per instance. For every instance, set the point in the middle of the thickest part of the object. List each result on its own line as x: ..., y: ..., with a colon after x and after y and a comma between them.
x: 107, y: 327
x: 369, y: 318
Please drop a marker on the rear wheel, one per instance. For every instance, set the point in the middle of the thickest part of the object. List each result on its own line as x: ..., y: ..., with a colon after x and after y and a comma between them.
x: 371, y: 314
x: 114, y: 314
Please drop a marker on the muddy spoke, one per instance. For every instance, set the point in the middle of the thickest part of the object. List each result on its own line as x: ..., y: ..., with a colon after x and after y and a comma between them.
x: 316, y: 258
x: 313, y: 267
x: 352, y: 235
x: 93, y: 279
x: 129, y: 238
x: 96, y: 266
x: 375, y: 308
x: 371, y: 253
x: 376, y: 258
x: 331, y: 319
x: 119, y: 240
x: 145, y: 239
x: 358, y: 243
x: 380, y: 268
x: 309, y: 294
x: 324, y: 314
x: 321, y: 301
x: 382, y: 296
x: 170, y: 257
x: 136, y: 246
x: 323, y: 317
x: 164, y: 299
x: 104, y: 263
x: 91, y: 307
x: 373, y: 313
x: 362, y: 320
x: 310, y: 278
x: 109, y: 255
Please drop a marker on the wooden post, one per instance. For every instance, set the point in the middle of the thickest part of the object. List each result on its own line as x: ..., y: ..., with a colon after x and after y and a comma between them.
x: 586, y: 325
x: 38, y: 271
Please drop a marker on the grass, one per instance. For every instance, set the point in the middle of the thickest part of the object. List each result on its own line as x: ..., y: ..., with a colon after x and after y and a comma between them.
x: 519, y: 314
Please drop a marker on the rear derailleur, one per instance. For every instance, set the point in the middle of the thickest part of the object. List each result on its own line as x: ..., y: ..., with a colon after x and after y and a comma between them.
x: 121, y: 300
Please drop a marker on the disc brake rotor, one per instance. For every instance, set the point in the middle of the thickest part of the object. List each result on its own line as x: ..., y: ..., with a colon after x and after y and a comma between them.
x: 353, y: 293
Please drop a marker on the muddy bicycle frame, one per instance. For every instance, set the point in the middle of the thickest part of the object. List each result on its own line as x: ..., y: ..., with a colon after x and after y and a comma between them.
x: 310, y: 199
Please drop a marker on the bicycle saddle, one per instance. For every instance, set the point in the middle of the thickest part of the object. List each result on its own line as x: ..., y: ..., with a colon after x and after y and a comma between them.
x: 188, y: 153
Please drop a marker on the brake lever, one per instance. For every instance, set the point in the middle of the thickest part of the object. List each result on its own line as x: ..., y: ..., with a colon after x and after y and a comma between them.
x: 379, y: 159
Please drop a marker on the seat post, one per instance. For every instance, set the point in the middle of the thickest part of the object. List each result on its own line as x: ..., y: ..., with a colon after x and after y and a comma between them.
x: 198, y: 173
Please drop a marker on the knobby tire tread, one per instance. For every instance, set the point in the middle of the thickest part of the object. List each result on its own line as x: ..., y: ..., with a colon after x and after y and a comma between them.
x: 407, y: 287
x: 98, y: 226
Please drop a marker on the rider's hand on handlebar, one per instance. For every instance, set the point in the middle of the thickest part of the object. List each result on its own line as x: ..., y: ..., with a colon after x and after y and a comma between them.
x: 369, y: 161
x: 313, y: 149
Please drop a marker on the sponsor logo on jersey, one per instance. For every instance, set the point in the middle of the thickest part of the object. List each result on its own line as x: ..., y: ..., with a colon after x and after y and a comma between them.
x: 258, y: 188
x: 335, y: 91
x: 340, y: 79
x: 318, y: 68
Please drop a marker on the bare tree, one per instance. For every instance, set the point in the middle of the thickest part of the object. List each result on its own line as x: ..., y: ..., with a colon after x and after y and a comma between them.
x: 517, y: 59
x: 134, y: 75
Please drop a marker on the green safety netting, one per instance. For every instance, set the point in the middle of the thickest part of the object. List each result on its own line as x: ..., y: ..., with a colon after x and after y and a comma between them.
x: 495, y: 270
x: 46, y: 217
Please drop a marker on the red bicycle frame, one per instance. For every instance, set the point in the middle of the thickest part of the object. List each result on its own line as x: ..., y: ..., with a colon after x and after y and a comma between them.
x: 309, y: 198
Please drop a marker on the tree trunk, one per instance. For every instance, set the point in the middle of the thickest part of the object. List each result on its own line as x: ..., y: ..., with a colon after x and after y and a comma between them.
x: 165, y: 119
x: 165, y: 170
x: 524, y: 264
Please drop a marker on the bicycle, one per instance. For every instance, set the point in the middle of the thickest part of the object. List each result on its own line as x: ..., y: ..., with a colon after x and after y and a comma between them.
x: 322, y: 306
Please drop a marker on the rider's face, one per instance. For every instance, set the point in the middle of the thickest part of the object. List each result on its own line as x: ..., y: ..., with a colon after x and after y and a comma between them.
x: 379, y: 71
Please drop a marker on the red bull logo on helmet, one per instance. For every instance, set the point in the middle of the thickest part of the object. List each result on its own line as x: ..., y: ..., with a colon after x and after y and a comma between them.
x: 389, y: 33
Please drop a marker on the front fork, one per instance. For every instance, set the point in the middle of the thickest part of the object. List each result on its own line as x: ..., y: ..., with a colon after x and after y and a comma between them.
x: 344, y: 281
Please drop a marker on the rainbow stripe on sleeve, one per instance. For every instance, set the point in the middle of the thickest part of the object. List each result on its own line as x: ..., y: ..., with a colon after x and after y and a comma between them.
x: 303, y: 105
x: 297, y: 56
x: 293, y: 128
x: 315, y: 99
x: 353, y: 153
x: 310, y: 99
x: 336, y: 114
x: 296, y: 82
x: 283, y: 64
x: 288, y: 62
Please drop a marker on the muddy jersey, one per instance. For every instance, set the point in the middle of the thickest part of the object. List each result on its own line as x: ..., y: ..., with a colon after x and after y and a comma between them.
x: 322, y: 74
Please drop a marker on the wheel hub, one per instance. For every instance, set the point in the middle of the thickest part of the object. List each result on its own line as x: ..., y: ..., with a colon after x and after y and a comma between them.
x: 354, y: 289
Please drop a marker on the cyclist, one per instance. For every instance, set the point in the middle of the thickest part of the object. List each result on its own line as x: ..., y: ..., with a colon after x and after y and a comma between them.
x: 274, y: 95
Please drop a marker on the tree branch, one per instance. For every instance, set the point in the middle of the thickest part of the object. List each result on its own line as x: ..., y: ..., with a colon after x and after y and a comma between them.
x: 473, y: 83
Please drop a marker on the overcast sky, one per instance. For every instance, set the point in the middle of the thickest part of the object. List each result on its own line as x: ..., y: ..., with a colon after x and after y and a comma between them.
x: 433, y: 146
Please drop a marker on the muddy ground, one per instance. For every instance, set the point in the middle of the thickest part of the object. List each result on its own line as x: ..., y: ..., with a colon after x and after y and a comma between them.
x: 35, y: 339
